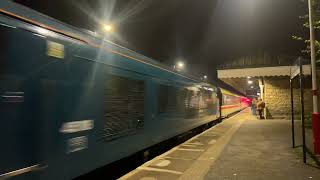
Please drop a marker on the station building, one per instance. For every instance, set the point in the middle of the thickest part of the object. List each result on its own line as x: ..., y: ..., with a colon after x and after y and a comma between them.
x: 271, y: 82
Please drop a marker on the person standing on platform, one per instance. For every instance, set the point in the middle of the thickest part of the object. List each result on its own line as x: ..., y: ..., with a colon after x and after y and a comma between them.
x: 254, y: 106
x: 260, y: 106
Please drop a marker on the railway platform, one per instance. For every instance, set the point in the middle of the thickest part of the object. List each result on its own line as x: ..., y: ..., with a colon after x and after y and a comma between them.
x: 241, y: 147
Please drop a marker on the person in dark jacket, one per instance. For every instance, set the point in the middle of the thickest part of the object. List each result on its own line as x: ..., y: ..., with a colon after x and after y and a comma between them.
x: 260, y: 106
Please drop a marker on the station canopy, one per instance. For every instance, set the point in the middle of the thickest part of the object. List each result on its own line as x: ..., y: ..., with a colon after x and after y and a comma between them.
x: 260, y: 72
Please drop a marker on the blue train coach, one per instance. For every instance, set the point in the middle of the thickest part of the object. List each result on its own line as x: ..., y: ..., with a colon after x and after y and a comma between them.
x: 72, y: 102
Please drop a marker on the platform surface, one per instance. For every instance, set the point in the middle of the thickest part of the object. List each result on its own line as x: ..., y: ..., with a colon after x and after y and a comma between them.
x: 240, y: 148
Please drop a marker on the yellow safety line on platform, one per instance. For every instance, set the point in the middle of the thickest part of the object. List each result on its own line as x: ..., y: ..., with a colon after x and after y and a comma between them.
x: 202, y: 165
x: 164, y: 155
x: 224, y: 91
x: 195, y: 150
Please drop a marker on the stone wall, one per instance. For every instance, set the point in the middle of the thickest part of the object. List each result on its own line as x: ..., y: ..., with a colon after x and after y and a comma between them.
x: 277, y: 97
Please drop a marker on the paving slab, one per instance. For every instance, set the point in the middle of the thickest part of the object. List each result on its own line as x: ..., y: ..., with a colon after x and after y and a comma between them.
x: 261, y: 150
x: 241, y: 147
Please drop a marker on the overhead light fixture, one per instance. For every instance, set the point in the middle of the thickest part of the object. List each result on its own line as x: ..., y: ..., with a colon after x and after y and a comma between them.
x: 250, y: 82
x: 180, y: 64
x: 108, y: 27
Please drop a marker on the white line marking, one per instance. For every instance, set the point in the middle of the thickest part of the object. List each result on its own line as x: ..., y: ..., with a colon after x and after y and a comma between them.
x: 202, y: 165
x: 187, y: 145
x: 212, y: 141
x: 163, y: 163
x: 12, y: 96
x: 159, y: 170
x: 163, y: 156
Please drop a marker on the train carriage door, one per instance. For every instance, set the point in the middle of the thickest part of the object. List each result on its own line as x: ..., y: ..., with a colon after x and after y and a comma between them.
x: 19, y: 103
x: 19, y: 134
x: 220, y: 101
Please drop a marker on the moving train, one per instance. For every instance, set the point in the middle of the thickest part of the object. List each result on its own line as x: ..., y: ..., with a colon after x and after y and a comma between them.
x: 232, y: 102
x: 72, y: 102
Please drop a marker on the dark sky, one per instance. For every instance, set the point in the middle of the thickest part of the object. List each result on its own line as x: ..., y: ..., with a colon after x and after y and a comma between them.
x: 204, y: 33
x: 210, y: 32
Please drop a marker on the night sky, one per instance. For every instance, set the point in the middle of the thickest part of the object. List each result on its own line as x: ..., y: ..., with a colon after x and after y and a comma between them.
x: 211, y: 32
x: 204, y: 33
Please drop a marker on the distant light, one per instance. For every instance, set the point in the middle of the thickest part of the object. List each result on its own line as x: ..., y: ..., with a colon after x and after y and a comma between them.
x: 205, y: 77
x: 108, y: 27
x: 180, y: 64
x: 252, y: 87
x: 250, y: 82
x: 248, y: 77
x: 258, y: 94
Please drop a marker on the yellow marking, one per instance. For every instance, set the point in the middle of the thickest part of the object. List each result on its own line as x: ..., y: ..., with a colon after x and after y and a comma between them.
x: 224, y: 91
x: 55, y: 49
x: 195, y: 143
x: 185, y: 149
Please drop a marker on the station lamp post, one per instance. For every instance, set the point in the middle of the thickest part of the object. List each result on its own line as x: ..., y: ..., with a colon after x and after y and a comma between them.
x: 315, y: 114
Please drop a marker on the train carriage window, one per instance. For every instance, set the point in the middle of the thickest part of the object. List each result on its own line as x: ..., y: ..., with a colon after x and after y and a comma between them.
x: 181, y: 101
x: 171, y: 99
x: 124, y: 107
x: 162, y: 98
x: 230, y: 100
